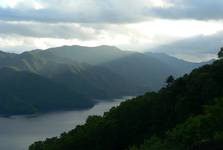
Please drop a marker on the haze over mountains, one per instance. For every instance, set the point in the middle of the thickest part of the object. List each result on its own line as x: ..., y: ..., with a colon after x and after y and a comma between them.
x: 73, y: 77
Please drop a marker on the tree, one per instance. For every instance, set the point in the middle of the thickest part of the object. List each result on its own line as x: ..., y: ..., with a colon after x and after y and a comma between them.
x: 170, y: 80
x: 220, y: 53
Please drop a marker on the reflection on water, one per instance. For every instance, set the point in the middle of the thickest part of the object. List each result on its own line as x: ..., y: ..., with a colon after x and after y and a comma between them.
x: 17, y: 132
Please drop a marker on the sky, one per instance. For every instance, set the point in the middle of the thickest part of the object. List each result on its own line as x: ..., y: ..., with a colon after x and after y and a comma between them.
x: 188, y: 29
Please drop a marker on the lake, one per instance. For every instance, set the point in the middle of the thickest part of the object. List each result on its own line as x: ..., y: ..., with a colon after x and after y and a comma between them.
x: 18, y: 132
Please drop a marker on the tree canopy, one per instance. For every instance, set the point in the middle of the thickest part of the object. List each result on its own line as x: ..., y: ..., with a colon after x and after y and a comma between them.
x: 220, y: 53
x: 169, y: 80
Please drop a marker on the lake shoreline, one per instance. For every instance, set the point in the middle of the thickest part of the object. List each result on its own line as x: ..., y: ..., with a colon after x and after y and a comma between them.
x: 18, y: 132
x: 33, y: 115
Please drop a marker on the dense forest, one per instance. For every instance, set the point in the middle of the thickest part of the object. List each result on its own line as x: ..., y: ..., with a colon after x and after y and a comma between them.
x: 187, y: 114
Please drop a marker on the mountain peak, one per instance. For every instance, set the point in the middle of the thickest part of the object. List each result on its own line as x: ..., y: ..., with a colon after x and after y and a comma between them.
x: 88, y: 47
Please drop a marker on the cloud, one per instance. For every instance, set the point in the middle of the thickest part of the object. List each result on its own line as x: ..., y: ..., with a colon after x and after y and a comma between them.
x: 190, y: 9
x: 22, y: 36
x: 81, y: 11
x: 128, y: 24
x: 109, y: 11
x: 133, y: 36
x: 195, y: 48
x: 43, y: 30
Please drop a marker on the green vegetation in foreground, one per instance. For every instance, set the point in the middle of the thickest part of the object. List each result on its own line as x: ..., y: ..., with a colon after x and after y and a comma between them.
x: 183, y: 115
x: 200, y: 132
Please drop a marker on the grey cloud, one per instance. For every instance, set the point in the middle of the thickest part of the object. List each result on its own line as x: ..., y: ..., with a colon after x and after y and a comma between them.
x: 200, y: 47
x: 42, y: 30
x: 80, y: 11
x: 190, y: 9
x: 113, y: 11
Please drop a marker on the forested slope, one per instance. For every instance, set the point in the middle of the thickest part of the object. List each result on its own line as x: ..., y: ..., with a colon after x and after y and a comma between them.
x: 161, y: 116
x: 22, y: 92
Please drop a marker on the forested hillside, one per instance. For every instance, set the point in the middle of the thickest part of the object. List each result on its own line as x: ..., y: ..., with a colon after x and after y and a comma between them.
x: 22, y: 92
x: 186, y: 114
x: 90, y: 74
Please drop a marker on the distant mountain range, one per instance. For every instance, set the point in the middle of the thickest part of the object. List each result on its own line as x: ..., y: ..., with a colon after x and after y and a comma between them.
x: 74, y: 77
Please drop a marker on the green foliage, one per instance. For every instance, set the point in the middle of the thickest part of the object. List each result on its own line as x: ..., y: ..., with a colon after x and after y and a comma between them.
x: 154, y: 143
x: 169, y: 80
x: 171, y: 118
x: 196, y: 131
x: 220, y: 53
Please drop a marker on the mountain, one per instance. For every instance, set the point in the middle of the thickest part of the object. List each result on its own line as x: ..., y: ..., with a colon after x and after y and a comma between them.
x: 6, y: 55
x: 150, y: 70
x: 98, y: 73
x: 146, y: 71
x: 180, y: 66
x: 90, y: 55
x: 23, y: 92
x: 141, y: 70
x: 187, y: 114
x: 94, y: 82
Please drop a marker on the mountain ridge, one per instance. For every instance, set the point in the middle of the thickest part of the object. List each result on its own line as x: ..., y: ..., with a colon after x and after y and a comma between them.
x: 171, y: 118
x: 121, y: 73
x: 24, y: 92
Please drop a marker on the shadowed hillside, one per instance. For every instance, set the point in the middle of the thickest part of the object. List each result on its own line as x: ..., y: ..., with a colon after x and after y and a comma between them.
x: 102, y: 72
x: 23, y: 92
x: 183, y: 115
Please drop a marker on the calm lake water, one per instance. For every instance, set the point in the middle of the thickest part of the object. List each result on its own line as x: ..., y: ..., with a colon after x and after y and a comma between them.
x: 18, y: 132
